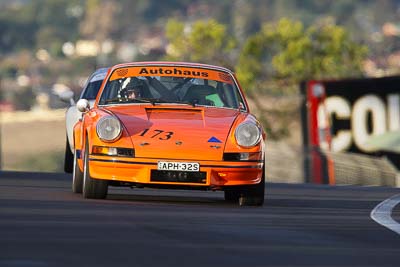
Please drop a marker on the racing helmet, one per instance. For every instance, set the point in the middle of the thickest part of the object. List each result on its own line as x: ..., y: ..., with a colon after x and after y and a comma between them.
x: 133, y: 89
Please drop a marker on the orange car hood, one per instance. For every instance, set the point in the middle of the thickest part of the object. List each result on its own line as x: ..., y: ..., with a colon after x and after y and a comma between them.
x: 177, y: 132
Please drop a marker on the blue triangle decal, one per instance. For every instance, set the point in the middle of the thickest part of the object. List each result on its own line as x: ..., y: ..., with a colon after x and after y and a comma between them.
x: 214, y: 140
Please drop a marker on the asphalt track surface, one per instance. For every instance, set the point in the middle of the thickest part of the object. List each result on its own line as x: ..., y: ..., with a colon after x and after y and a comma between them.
x: 42, y: 223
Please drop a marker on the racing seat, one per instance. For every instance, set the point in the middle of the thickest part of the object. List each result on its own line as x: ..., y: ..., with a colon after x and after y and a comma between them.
x: 198, y: 94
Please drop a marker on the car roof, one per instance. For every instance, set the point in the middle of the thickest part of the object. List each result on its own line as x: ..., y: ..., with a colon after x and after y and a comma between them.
x: 172, y: 63
x: 98, y: 74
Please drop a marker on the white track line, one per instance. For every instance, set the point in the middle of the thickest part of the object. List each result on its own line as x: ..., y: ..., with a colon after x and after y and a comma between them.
x: 382, y: 213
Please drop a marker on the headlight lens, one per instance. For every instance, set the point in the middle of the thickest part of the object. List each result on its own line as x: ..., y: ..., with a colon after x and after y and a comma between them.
x: 108, y: 128
x: 247, y: 134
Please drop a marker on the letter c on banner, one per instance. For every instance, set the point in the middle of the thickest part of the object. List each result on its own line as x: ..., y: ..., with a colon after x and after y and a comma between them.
x: 341, y: 107
x: 359, y: 123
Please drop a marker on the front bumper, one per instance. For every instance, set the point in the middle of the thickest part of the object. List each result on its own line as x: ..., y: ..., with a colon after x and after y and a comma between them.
x: 140, y: 170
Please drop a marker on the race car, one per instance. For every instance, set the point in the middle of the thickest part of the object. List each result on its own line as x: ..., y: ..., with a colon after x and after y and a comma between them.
x: 169, y: 125
x: 72, y: 114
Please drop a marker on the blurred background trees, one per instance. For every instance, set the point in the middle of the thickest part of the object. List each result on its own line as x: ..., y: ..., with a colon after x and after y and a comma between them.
x: 288, y: 52
x: 205, y: 41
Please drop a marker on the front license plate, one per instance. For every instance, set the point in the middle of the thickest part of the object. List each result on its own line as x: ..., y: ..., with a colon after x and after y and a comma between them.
x: 178, y: 166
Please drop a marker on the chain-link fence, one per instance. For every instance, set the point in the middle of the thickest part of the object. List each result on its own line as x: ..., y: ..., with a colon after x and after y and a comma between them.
x: 285, y: 163
x: 358, y: 169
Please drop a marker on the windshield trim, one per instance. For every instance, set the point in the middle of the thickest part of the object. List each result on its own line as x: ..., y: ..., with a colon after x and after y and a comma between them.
x: 242, y: 99
x: 165, y: 104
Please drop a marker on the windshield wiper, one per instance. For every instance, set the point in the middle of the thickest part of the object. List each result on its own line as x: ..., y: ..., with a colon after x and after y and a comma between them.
x: 118, y: 100
x: 160, y: 100
x: 144, y: 100
x: 153, y: 101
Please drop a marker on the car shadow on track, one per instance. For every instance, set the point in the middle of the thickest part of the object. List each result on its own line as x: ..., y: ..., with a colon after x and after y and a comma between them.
x: 176, y: 197
x: 164, y: 199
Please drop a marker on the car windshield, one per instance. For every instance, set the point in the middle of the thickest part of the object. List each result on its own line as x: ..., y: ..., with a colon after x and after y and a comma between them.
x: 94, y: 84
x: 173, y: 85
x: 91, y: 90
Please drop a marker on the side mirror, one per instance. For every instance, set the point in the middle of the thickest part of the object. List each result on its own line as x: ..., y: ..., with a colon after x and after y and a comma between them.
x: 83, y: 105
x: 67, y: 96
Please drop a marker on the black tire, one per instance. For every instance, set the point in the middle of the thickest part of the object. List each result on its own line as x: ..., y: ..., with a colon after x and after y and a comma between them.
x: 231, y: 195
x: 92, y: 188
x: 68, y: 159
x: 253, y: 195
x: 77, y: 176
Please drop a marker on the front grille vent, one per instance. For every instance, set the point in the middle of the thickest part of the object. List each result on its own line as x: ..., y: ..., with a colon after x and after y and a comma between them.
x: 178, y: 177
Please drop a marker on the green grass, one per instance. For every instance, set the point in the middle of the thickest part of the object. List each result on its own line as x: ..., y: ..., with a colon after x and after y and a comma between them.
x: 49, y: 162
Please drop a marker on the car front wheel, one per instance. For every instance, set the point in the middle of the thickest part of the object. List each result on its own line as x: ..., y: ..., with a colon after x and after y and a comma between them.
x: 253, y: 195
x: 77, y: 175
x: 92, y: 188
x: 68, y: 159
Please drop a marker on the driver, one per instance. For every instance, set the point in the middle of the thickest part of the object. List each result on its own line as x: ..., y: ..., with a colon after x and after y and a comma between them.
x: 133, y: 93
x: 133, y: 89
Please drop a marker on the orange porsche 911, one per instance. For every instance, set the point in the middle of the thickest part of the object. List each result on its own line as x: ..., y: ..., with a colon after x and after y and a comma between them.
x: 169, y: 125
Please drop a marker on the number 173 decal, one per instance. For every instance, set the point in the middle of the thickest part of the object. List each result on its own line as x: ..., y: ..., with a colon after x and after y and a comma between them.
x: 160, y: 134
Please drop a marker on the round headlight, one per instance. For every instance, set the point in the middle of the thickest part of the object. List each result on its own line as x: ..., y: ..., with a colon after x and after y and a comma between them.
x: 108, y: 128
x: 247, y: 134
